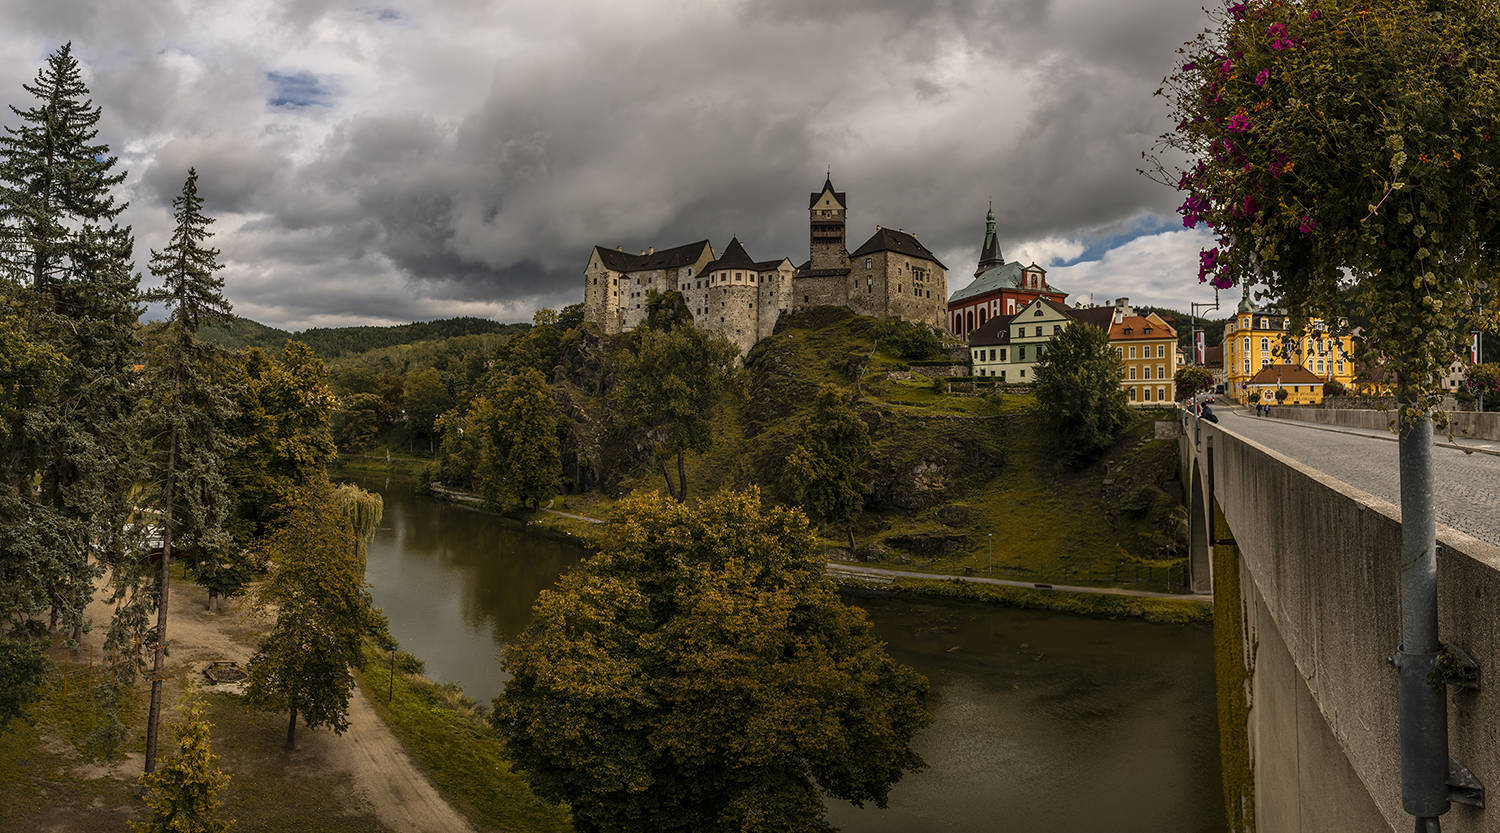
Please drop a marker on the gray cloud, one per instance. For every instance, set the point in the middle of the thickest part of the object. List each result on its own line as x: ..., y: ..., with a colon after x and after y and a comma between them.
x: 462, y: 157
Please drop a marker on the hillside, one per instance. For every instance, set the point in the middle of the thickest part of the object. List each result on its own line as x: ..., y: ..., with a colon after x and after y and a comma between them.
x: 951, y: 473
x: 332, y: 342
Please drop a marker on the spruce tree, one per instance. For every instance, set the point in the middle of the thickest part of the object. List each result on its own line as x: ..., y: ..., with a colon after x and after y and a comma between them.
x: 187, y: 414
x: 184, y: 795
x: 69, y: 294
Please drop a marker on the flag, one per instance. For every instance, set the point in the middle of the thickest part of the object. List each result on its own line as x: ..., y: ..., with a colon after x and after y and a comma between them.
x: 1474, y: 347
x: 1202, y: 351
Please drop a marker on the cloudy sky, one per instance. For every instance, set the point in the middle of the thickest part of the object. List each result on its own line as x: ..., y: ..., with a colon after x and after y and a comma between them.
x: 404, y: 160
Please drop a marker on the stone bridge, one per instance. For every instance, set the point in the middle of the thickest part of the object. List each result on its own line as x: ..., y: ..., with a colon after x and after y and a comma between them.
x: 1305, y: 568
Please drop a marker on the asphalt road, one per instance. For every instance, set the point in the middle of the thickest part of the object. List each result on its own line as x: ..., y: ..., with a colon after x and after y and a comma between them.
x: 1468, y: 485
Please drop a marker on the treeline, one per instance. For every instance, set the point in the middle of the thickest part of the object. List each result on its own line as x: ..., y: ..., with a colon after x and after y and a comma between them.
x: 124, y: 448
x: 331, y: 342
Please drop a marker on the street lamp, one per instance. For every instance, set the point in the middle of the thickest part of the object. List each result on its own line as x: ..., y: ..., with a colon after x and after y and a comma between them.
x: 1194, y: 307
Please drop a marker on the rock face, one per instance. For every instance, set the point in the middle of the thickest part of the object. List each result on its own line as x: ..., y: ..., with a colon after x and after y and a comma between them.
x: 929, y: 545
x: 953, y: 514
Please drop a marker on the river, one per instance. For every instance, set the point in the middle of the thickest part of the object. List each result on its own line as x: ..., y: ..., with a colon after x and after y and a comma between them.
x: 1042, y: 722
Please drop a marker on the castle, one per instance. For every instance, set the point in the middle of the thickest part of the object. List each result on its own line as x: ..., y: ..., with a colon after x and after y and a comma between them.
x: 740, y: 298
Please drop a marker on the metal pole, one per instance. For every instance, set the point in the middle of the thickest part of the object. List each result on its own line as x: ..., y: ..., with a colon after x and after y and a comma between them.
x: 989, y: 566
x: 1423, y: 706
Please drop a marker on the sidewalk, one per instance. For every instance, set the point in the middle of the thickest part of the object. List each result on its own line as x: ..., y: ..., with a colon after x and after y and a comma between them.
x: 1473, y: 446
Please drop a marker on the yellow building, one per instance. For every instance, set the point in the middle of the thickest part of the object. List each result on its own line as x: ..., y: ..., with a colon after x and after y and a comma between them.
x: 1302, y: 386
x: 1148, y: 346
x: 1255, y: 339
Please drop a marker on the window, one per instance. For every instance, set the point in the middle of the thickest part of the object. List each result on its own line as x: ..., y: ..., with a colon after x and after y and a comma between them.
x: 1132, y: 393
x: 1341, y: 367
x: 1146, y: 393
x: 1002, y: 375
x: 1265, y: 345
x: 1263, y: 324
x: 1120, y: 351
x: 992, y: 354
x: 1039, y: 329
x: 1002, y: 357
x: 1038, y: 311
x: 1146, y: 371
x: 1161, y: 351
x: 1021, y: 354
x: 1247, y: 365
x: 1161, y: 394
x: 1132, y: 355
x: 1161, y: 371
x: 869, y: 263
x: 805, y: 299
x: 1023, y: 374
x: 1132, y: 371
x: 1056, y: 328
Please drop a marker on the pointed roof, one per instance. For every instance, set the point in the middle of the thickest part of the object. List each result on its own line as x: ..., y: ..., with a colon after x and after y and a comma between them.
x: 828, y: 186
x: 673, y: 258
x: 734, y: 257
x: 1285, y: 374
x: 893, y: 240
x: 1098, y: 317
x: 989, y: 253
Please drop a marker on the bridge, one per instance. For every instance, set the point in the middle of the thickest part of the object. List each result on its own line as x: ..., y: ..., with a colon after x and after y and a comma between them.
x: 1296, y: 529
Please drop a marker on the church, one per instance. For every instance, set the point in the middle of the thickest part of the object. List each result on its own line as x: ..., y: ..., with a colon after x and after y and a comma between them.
x: 740, y: 298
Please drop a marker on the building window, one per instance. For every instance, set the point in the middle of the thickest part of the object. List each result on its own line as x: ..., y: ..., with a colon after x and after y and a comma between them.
x: 1002, y: 354
x: 805, y: 299
x: 1023, y: 374
x: 1265, y: 345
x: 1161, y: 371
x: 1132, y: 390
x: 1120, y: 351
x: 1038, y: 312
x: 1132, y: 355
x: 1146, y: 371
x: 1247, y: 365
x: 1132, y: 372
x: 1021, y: 353
x: 1161, y: 351
x: 869, y: 263
x: 1161, y: 394
x: 1002, y: 375
x: 1146, y: 394
x: 1056, y: 328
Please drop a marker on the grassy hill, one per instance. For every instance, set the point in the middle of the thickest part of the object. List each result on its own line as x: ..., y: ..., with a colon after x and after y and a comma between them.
x: 952, y: 474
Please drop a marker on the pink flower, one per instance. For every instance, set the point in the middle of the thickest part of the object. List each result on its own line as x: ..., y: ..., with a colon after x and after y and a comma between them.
x: 1239, y: 123
x: 1237, y: 11
x: 1226, y: 67
x: 1314, y: 14
x: 1308, y: 224
x: 1189, y: 66
x: 1261, y: 77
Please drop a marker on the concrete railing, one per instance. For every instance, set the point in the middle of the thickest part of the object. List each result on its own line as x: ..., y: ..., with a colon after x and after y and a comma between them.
x: 1319, y: 589
x: 1485, y: 426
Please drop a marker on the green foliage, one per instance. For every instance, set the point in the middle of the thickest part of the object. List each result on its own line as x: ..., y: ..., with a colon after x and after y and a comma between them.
x: 425, y: 398
x: 1483, y: 382
x: 907, y: 339
x: 1281, y: 395
x: 1254, y: 398
x: 1192, y: 380
x: 332, y: 342
x: 356, y: 421
x: 670, y: 381
x: 284, y: 407
x: 1333, y: 387
x: 316, y: 584
x: 1348, y: 146
x: 1078, y: 393
x: 827, y: 471
x: 184, y: 793
x: 23, y: 669
x: 65, y: 282
x: 517, y: 430
x: 701, y: 674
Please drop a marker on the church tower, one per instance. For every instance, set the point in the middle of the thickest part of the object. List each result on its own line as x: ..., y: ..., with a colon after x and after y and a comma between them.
x: 825, y: 217
x: 989, y: 254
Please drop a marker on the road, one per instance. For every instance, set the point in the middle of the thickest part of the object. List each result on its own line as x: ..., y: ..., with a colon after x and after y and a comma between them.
x: 1468, y: 484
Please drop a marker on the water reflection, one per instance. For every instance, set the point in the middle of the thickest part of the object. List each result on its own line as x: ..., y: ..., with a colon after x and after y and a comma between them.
x: 1042, y: 722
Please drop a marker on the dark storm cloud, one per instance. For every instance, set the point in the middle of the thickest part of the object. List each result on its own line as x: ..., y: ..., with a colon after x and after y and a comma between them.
x: 407, y: 160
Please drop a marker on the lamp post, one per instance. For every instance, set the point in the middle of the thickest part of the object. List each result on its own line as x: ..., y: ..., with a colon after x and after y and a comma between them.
x: 1194, y: 308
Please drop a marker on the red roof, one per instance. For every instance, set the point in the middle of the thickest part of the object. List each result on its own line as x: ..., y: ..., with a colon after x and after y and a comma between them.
x: 1285, y: 374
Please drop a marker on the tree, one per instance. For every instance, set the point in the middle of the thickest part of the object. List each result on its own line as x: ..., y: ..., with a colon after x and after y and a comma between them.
x: 426, y: 398
x: 1333, y: 387
x: 670, y: 383
x: 23, y: 669
x: 1191, y: 380
x: 188, y: 412
x: 316, y: 584
x: 1347, y: 147
x: 1078, y: 393
x: 826, y: 469
x: 357, y: 420
x: 1281, y: 395
x: 284, y: 408
x: 184, y: 794
x: 1254, y: 398
x: 1482, y: 384
x: 701, y: 674
x: 65, y: 280
x: 517, y: 425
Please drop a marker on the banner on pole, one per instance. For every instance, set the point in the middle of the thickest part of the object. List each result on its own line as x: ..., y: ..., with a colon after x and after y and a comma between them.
x: 1201, y: 351
x: 1474, y: 347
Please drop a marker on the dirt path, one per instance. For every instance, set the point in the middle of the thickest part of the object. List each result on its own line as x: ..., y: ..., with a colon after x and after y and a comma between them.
x: 385, y: 777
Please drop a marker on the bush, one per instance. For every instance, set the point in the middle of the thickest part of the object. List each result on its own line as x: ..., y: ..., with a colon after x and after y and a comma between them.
x: 909, y: 340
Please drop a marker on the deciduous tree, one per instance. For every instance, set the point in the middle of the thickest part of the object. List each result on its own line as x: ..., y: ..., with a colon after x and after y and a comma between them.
x: 316, y: 585
x: 426, y: 398
x: 517, y: 426
x: 1192, y: 380
x: 1078, y: 393
x: 827, y: 468
x: 670, y: 382
x: 701, y: 674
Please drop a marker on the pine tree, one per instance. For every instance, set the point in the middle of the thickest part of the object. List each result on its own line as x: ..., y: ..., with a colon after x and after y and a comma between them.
x: 184, y: 794
x: 67, y: 287
x: 189, y: 409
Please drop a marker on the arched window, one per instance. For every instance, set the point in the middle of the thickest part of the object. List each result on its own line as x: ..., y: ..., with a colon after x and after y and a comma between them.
x: 971, y: 319
x: 1265, y: 345
x: 983, y: 314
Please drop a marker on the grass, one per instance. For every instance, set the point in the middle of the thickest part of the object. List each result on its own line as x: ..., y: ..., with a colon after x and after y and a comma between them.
x: 449, y: 739
x: 376, y: 462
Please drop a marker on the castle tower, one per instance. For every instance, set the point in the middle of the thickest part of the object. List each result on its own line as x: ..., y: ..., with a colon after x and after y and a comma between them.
x: 989, y: 253
x: 825, y: 215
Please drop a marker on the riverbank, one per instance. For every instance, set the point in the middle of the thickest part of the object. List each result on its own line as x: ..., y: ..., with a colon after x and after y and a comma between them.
x: 859, y: 577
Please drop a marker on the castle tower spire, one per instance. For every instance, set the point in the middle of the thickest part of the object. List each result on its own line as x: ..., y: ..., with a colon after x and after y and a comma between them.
x: 989, y: 253
x: 825, y: 218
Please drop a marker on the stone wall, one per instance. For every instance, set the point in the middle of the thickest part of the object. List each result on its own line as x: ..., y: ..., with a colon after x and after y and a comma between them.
x: 819, y: 292
x: 775, y: 298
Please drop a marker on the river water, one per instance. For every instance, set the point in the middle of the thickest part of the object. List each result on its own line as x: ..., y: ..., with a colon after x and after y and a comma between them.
x: 1042, y: 722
